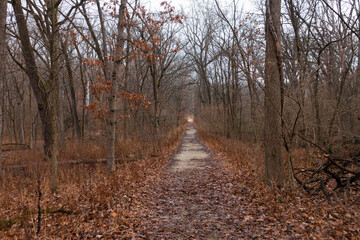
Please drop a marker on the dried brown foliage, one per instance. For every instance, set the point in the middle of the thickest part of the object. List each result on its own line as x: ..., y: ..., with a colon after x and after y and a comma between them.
x: 291, y: 213
x: 144, y: 200
x: 89, y: 203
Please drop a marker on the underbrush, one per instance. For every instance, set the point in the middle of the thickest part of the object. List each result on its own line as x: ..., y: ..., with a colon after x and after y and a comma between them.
x: 305, y: 216
x: 89, y: 203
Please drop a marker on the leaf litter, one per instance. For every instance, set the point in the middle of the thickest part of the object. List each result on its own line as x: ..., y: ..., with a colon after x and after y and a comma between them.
x: 209, y: 198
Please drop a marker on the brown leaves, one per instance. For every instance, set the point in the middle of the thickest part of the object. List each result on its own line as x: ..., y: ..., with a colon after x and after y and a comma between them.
x: 101, y: 111
x: 152, y: 45
x: 101, y: 206
x: 225, y: 200
x: 282, y: 214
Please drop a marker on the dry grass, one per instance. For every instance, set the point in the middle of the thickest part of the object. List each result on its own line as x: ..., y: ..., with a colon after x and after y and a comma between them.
x: 238, y: 154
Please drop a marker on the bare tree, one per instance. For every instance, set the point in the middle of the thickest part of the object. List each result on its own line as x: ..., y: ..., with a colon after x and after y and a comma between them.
x: 159, y: 46
x: 275, y: 173
x: 111, y: 72
x: 120, y: 41
x: 3, y: 10
x: 45, y: 92
x: 199, y: 32
x: 70, y: 75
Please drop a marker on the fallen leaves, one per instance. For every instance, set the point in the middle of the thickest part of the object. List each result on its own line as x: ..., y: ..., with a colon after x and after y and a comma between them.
x: 289, y: 213
x: 146, y: 201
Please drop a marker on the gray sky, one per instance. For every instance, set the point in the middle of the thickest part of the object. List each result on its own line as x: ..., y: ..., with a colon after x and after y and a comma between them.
x: 186, y: 4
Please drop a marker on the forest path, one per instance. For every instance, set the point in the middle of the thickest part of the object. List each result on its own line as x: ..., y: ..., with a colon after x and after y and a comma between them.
x: 198, y: 196
x: 191, y: 154
x: 194, y: 199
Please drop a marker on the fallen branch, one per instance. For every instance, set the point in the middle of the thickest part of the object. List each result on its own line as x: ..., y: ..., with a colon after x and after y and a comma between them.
x: 81, y: 161
x: 343, y: 171
x: 7, y: 223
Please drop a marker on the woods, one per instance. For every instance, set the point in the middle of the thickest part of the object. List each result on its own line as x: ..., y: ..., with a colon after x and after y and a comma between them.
x: 96, y: 97
x: 300, y: 75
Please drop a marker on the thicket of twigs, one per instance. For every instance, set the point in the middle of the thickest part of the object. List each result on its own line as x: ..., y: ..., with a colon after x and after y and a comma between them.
x: 329, y: 173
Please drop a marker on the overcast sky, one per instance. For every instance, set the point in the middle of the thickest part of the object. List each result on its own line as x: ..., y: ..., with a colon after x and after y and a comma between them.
x: 186, y: 4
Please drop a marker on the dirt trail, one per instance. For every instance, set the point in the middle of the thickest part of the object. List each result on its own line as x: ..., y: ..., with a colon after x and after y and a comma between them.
x: 194, y: 199
x: 191, y: 152
x: 198, y: 197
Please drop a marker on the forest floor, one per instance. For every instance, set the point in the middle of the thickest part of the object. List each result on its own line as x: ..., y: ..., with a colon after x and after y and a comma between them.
x: 199, y: 197
x: 194, y: 199
x: 192, y: 193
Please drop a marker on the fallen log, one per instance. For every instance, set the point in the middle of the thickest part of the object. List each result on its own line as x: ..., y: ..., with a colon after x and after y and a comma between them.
x: 75, y: 162
x: 7, y: 223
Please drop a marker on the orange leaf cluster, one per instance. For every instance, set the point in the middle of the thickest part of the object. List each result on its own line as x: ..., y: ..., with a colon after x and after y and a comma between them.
x: 99, y: 112
x: 135, y: 100
x: 93, y: 62
x: 123, y: 116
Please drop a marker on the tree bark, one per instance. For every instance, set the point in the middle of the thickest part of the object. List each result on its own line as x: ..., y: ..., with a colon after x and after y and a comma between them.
x: 69, y: 70
x: 316, y: 100
x: 60, y: 114
x: 274, y: 168
x: 156, y: 101
x: 114, y: 90
x: 21, y: 122
x: 126, y: 80
x: 53, y: 93
x: 30, y: 124
x: 85, y: 86
x: 343, y: 78
x: 301, y: 64
x: 3, y: 10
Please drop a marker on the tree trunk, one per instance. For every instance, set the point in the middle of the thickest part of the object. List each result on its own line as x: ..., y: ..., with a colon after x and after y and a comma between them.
x: 85, y: 86
x: 53, y: 93
x: 274, y: 168
x: 126, y: 80
x: 51, y: 141
x: 301, y: 69
x: 21, y: 122
x: 156, y: 104
x: 60, y: 115
x: 3, y: 9
x: 30, y: 125
x: 114, y: 90
x: 45, y: 93
x: 86, y: 98
x: 69, y: 70
x: 316, y: 100
x: 343, y: 77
